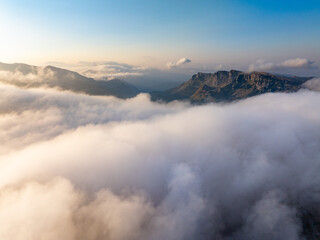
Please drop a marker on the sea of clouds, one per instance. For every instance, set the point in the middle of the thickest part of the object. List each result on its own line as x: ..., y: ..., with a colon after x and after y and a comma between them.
x: 79, y: 167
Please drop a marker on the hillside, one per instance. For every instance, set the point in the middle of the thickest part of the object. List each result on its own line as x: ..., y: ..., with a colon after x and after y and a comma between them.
x: 27, y: 76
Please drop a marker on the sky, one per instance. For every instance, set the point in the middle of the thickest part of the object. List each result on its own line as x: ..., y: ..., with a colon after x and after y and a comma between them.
x: 157, y: 33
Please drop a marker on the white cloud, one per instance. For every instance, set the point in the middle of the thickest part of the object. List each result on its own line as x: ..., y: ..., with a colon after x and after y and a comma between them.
x: 296, y: 63
x: 108, y: 70
x: 220, y: 67
x: 178, y: 63
x: 18, y: 77
x: 41, y: 114
x: 290, y: 64
x: 82, y: 167
x: 313, y: 84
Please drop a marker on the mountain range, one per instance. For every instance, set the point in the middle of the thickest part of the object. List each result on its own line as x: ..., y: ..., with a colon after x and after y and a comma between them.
x: 225, y: 86
x: 27, y: 76
x: 222, y: 86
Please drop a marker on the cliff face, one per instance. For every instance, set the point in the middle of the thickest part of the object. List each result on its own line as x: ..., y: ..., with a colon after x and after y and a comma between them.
x: 229, y: 86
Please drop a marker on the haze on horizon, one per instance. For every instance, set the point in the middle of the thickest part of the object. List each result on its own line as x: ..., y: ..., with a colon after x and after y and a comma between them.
x: 213, y: 34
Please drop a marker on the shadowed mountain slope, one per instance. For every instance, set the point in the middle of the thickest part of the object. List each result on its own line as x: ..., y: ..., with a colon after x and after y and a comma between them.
x: 26, y: 76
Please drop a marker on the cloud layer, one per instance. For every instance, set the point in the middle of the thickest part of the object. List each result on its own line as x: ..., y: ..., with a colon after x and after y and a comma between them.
x: 108, y: 70
x: 23, y: 77
x: 82, y: 167
x: 145, y: 78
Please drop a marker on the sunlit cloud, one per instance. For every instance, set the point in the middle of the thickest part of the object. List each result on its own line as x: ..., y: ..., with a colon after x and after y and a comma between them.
x: 138, y: 169
x: 181, y: 61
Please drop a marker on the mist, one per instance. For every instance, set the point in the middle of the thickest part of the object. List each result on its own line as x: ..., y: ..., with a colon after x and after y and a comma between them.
x: 80, y: 167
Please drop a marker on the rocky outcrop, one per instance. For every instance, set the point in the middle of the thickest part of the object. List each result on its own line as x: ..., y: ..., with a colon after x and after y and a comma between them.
x: 229, y: 86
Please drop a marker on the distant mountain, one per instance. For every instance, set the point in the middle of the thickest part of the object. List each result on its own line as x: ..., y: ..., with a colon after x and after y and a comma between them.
x: 228, y: 86
x: 26, y: 76
x: 201, y: 88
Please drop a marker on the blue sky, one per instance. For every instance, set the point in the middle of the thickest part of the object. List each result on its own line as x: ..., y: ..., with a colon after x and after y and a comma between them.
x: 152, y: 33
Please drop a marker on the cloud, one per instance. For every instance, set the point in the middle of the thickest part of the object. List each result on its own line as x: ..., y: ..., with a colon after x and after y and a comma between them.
x: 178, y: 63
x: 296, y: 63
x: 83, y: 167
x: 220, y: 67
x: 41, y: 114
x: 18, y: 77
x: 313, y: 84
x: 103, y: 70
x: 290, y: 64
x: 145, y: 78
x: 108, y: 70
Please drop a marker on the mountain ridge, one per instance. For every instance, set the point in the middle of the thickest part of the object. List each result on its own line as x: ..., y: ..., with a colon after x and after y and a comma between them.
x: 221, y: 86
x: 226, y: 86
x: 28, y: 76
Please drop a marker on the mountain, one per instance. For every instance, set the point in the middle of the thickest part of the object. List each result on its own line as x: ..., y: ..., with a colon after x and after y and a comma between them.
x: 222, y: 86
x: 27, y: 76
x: 225, y: 86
